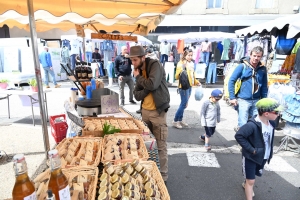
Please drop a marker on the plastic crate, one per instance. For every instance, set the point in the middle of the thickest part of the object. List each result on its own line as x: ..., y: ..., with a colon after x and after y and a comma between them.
x: 58, y: 129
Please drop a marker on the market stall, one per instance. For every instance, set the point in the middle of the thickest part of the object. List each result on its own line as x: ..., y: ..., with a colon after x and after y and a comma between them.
x: 83, y: 181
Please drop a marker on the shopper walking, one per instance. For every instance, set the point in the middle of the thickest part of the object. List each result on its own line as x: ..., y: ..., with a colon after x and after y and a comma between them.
x: 210, y: 116
x: 254, y: 85
x: 187, y: 64
x: 124, y: 73
x: 151, y: 88
x: 45, y: 60
x: 256, y: 138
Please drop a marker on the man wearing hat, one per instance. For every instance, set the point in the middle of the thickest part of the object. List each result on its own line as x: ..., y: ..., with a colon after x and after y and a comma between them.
x: 256, y: 138
x: 97, y: 58
x: 151, y: 88
x: 45, y: 60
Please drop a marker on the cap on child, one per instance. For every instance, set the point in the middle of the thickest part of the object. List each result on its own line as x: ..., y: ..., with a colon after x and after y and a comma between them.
x: 268, y: 105
x: 217, y: 93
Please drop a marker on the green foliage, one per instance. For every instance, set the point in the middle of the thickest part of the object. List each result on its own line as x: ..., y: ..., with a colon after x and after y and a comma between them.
x: 32, y: 82
x: 4, y: 81
x: 109, y: 129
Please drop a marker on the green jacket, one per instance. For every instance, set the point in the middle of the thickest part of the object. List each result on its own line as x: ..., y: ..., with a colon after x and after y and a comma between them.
x: 155, y: 83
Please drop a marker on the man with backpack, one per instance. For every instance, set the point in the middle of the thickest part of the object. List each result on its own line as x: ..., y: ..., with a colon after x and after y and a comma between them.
x: 151, y: 88
x: 254, y: 86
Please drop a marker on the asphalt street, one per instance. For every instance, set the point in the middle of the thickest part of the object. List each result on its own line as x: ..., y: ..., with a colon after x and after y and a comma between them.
x: 193, y: 172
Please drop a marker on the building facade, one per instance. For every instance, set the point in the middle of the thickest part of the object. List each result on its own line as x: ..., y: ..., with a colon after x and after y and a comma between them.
x: 224, y: 15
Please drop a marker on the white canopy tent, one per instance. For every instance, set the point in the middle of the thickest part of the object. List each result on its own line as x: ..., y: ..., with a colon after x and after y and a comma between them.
x: 198, y: 37
x: 293, y: 21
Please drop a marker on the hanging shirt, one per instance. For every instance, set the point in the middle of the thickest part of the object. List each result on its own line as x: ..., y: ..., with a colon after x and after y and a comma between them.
x: 180, y: 46
x: 75, y: 47
x: 267, y: 131
x: 206, y: 47
x: 226, y: 46
x: 88, y: 47
x: 65, y: 56
x: 164, y: 48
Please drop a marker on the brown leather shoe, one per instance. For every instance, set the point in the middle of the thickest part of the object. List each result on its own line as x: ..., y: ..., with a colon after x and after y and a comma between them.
x: 47, y: 86
x: 57, y: 86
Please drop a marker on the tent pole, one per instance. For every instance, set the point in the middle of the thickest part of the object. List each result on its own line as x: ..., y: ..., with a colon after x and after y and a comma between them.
x: 34, y: 45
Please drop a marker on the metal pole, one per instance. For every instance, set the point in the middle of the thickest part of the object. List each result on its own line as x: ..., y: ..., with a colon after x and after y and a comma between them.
x: 34, y: 45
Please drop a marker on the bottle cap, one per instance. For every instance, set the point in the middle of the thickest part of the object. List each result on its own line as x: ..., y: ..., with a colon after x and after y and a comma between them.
x: 18, y: 158
x: 53, y: 152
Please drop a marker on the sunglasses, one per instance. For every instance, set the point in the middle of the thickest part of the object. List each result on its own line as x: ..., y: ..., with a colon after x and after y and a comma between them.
x: 275, y: 112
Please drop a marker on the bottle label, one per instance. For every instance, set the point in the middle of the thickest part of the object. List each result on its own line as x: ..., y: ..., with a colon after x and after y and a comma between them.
x: 31, y: 197
x: 64, y: 194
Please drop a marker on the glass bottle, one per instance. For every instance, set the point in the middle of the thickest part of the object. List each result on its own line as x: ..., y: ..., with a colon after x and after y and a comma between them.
x: 23, y: 188
x: 58, y: 182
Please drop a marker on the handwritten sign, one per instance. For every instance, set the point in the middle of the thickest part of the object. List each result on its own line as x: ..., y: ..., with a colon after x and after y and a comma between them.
x: 105, y: 36
x: 109, y: 104
x: 79, y: 30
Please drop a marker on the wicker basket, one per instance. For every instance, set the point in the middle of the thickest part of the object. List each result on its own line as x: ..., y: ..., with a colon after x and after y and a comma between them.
x: 63, y: 145
x: 155, y: 174
x: 143, y: 153
x: 70, y: 173
x: 99, y: 133
x: 42, y: 180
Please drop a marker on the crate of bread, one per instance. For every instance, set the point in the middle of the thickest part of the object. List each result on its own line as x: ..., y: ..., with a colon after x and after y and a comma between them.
x: 93, y: 126
x: 121, y: 147
x: 134, y: 180
x: 80, y: 151
x: 82, y: 182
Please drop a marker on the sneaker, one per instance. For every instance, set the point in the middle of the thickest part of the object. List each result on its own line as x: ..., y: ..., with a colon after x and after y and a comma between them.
x: 183, y: 124
x: 122, y: 103
x: 57, y: 86
x: 236, y: 129
x: 47, y: 86
x: 243, y: 185
x: 132, y: 101
x: 202, y: 137
x: 208, y: 148
x: 138, y: 111
x: 177, y: 124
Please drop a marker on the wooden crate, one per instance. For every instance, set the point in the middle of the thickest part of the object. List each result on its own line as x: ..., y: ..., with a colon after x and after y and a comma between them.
x: 99, y: 133
x: 143, y: 154
x: 63, y: 146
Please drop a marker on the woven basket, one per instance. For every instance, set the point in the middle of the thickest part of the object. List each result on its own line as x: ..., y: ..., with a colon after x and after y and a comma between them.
x: 62, y: 145
x: 155, y: 174
x: 99, y: 133
x: 143, y: 153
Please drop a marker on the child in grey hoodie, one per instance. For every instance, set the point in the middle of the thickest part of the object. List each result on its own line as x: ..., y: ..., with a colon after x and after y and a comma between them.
x: 210, y: 116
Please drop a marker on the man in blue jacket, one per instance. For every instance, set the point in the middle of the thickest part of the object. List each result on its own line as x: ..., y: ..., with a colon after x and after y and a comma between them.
x: 253, y: 88
x: 45, y: 60
x: 256, y: 138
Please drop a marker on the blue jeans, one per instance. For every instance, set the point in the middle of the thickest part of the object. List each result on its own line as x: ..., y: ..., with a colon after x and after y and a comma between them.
x: 211, y: 73
x: 73, y: 61
x: 184, y: 96
x: 163, y: 58
x: 109, y: 69
x: 101, y: 69
x: 48, y: 71
x: 246, y: 108
x: 205, y: 57
x: 88, y: 56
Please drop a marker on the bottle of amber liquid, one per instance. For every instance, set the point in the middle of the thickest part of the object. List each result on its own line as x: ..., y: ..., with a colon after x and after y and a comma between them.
x: 23, y: 188
x: 58, y: 182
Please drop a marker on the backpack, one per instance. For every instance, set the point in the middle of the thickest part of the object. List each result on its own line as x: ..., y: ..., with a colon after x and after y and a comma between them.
x: 184, y: 80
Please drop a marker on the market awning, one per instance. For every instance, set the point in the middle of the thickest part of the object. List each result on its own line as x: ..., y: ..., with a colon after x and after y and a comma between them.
x: 293, y: 21
x: 88, y: 8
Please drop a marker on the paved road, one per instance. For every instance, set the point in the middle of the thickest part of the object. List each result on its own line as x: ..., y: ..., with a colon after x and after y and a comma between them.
x: 193, y: 173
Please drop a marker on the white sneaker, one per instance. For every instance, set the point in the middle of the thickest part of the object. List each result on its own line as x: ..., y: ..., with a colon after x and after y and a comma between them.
x: 177, y: 124
x: 183, y: 124
x: 243, y: 184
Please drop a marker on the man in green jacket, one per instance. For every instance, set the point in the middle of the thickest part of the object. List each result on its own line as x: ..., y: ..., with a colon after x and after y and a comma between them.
x: 151, y: 88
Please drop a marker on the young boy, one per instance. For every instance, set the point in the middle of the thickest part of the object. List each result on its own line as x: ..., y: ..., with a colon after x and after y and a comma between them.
x: 210, y: 115
x: 256, y: 139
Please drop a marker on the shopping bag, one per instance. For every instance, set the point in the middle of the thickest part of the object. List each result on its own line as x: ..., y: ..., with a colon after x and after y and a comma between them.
x: 199, y: 93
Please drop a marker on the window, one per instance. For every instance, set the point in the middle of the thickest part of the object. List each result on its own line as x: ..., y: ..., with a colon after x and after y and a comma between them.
x: 264, y: 4
x: 214, y: 3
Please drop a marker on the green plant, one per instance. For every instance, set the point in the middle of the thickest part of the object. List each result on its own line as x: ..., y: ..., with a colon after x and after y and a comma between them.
x: 109, y: 129
x: 32, y: 82
x: 4, y: 81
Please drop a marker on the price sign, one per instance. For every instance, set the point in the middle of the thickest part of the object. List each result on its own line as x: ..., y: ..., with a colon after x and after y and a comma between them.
x: 109, y: 104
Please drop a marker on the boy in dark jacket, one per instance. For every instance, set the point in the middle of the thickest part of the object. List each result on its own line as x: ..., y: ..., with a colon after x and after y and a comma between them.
x: 256, y: 138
